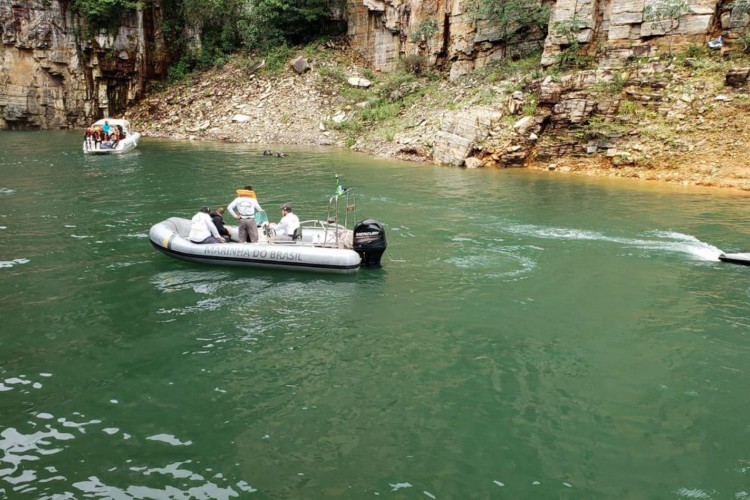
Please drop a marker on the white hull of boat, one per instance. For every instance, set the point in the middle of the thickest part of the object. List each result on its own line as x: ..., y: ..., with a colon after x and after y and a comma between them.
x: 736, y: 258
x: 170, y: 237
x: 125, y: 145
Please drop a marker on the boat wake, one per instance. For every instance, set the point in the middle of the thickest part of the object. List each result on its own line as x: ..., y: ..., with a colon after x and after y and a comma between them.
x: 663, y: 241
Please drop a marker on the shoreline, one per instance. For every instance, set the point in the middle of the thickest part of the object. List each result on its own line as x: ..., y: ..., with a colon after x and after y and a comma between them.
x: 704, y: 145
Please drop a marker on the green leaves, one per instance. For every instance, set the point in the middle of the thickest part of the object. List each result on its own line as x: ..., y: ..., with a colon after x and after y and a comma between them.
x: 512, y: 17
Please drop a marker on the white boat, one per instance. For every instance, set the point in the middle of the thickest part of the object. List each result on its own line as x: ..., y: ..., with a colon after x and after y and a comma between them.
x: 127, y: 142
x: 319, y: 245
x: 736, y: 258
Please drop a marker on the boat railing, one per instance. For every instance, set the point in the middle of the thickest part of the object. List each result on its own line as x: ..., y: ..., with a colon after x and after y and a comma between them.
x: 345, y: 201
x: 324, y: 233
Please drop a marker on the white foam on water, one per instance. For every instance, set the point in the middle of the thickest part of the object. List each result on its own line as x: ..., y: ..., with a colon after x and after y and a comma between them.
x: 657, y: 240
x: 169, y: 439
x: 14, y: 262
x: 7, y: 191
x: 693, y: 493
x: 398, y: 486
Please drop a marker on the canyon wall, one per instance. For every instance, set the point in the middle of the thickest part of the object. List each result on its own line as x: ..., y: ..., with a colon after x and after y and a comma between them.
x: 53, y: 75
x: 611, y: 31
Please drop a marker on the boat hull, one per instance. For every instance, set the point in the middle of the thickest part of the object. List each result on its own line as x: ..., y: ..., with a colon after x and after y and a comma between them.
x: 742, y: 258
x: 170, y: 238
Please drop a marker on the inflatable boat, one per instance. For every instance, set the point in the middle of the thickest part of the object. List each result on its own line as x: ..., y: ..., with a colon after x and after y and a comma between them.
x: 319, y: 245
x: 736, y: 258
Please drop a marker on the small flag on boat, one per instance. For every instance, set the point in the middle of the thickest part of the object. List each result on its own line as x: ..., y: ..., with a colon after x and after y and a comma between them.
x: 340, y: 188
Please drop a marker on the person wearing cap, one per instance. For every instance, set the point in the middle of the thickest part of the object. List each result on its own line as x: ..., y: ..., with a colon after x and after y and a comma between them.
x: 202, y: 228
x: 287, y: 225
x: 246, y: 205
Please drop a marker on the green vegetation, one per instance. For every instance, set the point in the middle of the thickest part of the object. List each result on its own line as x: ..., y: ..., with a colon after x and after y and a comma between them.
x: 378, y: 110
x: 666, y: 14
x: 103, y: 14
x: 222, y: 27
x: 613, y: 86
x: 512, y: 17
x: 425, y: 30
x: 571, y: 56
x: 415, y: 64
x: 507, y: 68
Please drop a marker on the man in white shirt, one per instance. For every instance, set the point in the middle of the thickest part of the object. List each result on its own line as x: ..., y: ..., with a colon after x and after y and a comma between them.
x: 202, y: 228
x: 246, y: 206
x: 285, y: 228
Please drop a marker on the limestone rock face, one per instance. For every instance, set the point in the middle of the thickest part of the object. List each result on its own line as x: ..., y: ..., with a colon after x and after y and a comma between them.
x: 443, y: 31
x: 448, y: 34
x: 460, y: 132
x: 51, y: 78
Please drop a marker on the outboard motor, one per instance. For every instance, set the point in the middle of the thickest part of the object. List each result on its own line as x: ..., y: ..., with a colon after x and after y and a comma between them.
x: 369, y: 242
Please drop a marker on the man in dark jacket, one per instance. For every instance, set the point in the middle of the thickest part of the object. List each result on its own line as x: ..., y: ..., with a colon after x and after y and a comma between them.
x: 218, y: 218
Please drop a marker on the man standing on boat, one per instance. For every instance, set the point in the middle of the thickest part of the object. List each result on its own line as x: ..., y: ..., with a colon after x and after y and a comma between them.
x: 246, y: 204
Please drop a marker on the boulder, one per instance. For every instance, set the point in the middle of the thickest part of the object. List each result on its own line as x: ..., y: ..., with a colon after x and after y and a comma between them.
x: 356, y: 81
x: 300, y: 65
x: 737, y: 77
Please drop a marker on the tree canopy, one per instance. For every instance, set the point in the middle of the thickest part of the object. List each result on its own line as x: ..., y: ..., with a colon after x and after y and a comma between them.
x: 222, y: 26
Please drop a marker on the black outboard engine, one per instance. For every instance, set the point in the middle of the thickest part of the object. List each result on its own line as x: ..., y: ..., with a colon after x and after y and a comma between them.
x: 369, y: 242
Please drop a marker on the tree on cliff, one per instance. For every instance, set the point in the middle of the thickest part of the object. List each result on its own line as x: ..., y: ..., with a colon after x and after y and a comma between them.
x: 206, y: 31
x: 665, y: 15
x: 200, y: 33
x: 512, y: 17
x: 271, y: 22
x: 103, y: 13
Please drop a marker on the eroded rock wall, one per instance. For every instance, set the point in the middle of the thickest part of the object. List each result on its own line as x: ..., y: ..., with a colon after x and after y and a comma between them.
x: 52, y: 75
x: 448, y: 34
x: 445, y: 32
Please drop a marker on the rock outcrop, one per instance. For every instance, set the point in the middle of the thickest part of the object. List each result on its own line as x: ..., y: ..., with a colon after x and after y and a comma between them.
x: 449, y: 35
x: 52, y: 76
x: 445, y: 32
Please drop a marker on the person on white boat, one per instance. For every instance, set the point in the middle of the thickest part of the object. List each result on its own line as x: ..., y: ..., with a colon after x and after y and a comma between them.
x: 202, y: 228
x: 88, y: 138
x: 105, y: 128
x: 246, y: 204
x: 287, y: 225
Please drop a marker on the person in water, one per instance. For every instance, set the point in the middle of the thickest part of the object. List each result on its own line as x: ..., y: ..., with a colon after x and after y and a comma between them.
x: 246, y: 204
x: 202, y: 228
x: 218, y: 220
x: 287, y: 225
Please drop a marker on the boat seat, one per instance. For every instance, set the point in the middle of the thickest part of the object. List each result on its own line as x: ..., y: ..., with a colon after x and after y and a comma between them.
x: 297, y: 234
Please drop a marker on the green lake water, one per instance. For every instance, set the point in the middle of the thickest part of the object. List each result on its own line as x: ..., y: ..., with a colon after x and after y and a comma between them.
x: 531, y: 335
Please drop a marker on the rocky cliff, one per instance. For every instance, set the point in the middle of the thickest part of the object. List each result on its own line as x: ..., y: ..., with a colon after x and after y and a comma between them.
x: 52, y: 75
x: 448, y: 33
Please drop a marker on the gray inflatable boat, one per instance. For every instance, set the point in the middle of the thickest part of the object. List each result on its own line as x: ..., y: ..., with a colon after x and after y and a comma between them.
x: 319, y: 245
